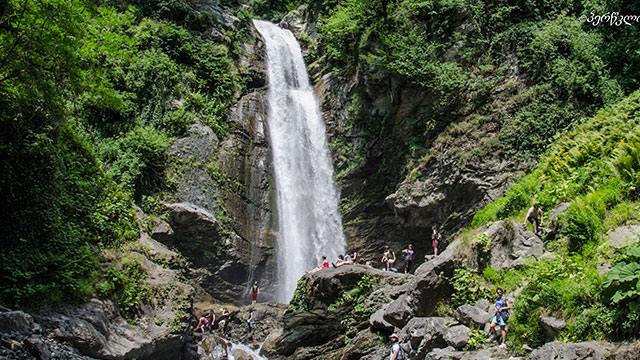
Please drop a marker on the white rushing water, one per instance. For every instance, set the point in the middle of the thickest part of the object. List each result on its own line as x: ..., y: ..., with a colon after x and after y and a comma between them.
x: 309, y: 225
x: 241, y: 351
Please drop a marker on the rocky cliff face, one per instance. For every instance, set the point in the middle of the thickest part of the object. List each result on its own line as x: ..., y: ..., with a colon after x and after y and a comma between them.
x: 221, y: 215
x: 402, y: 167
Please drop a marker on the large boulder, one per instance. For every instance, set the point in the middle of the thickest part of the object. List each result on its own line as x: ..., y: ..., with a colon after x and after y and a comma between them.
x: 377, y: 321
x: 571, y: 351
x: 399, y: 311
x: 552, y: 326
x: 202, y: 239
x: 472, y: 316
x: 327, y: 286
x: 425, y: 333
x: 457, y: 336
x: 17, y: 322
x: 97, y: 330
x: 510, y: 245
x: 308, y: 328
x: 623, y: 235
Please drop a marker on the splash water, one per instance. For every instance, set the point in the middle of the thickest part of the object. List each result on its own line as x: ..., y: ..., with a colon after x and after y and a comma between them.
x: 309, y: 224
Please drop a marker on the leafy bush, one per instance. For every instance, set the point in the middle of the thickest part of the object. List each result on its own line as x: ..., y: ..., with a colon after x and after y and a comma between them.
x: 468, y: 287
x: 126, y: 283
x: 353, y: 301
x: 66, y: 206
x: 622, y: 287
x: 136, y: 161
x: 477, y: 339
x: 594, y: 323
x: 299, y: 303
x: 95, y: 97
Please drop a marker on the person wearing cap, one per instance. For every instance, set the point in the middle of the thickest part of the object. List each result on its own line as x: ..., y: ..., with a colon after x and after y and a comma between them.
x: 396, y: 350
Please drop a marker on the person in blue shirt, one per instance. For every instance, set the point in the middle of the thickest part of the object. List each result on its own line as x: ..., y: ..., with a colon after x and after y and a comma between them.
x: 501, y: 317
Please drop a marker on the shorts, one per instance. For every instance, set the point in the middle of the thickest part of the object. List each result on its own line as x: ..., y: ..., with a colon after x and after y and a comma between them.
x: 499, y: 320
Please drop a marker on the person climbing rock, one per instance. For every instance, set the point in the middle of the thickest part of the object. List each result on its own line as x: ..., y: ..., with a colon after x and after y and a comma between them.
x: 535, y: 217
x: 501, y: 317
x: 224, y: 320
x: 203, y: 323
x: 388, y: 258
x: 211, y: 318
x: 435, y: 239
x: 397, y: 353
x: 253, y: 292
x: 408, y: 255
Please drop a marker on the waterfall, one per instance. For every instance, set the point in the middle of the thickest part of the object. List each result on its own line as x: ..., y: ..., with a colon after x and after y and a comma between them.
x: 309, y: 225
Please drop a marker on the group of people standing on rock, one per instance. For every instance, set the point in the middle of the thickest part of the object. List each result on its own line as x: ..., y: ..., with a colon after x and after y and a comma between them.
x: 387, y: 259
x: 208, y: 321
x: 408, y: 254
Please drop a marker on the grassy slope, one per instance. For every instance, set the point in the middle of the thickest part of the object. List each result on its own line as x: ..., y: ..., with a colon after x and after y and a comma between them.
x: 596, y: 168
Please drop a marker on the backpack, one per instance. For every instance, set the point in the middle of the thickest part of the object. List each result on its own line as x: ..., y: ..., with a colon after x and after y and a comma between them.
x: 402, y: 353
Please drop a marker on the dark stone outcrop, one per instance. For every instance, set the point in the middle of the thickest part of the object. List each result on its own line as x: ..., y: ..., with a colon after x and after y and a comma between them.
x: 17, y: 322
x: 307, y: 328
x: 510, y: 246
x: 97, y: 330
x: 472, y: 316
x: 571, y: 351
x: 552, y: 326
x: 457, y: 336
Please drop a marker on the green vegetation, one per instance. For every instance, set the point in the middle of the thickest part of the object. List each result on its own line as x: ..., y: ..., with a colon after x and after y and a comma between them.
x: 446, y: 46
x: 468, y: 288
x: 594, y: 168
x: 299, y: 303
x: 89, y: 108
x: 477, y: 339
x: 353, y: 301
x: 125, y: 282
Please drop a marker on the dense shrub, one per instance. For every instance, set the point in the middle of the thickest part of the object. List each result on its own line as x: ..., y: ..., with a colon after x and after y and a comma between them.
x: 89, y: 108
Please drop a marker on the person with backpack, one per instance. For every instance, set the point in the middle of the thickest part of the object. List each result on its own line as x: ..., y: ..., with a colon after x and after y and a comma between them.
x: 501, y: 317
x: 397, y: 352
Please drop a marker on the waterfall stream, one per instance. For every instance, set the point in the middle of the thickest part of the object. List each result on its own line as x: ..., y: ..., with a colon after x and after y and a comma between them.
x: 309, y: 224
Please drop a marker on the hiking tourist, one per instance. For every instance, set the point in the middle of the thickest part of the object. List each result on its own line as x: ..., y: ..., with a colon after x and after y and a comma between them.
x: 435, y: 239
x: 203, y: 323
x: 388, y: 258
x: 408, y: 255
x: 224, y: 320
x: 254, y: 291
x: 535, y: 217
x: 501, y: 317
x: 250, y: 320
x: 397, y: 353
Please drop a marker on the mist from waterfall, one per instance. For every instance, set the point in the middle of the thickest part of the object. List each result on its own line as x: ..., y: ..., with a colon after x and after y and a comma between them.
x: 309, y: 224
